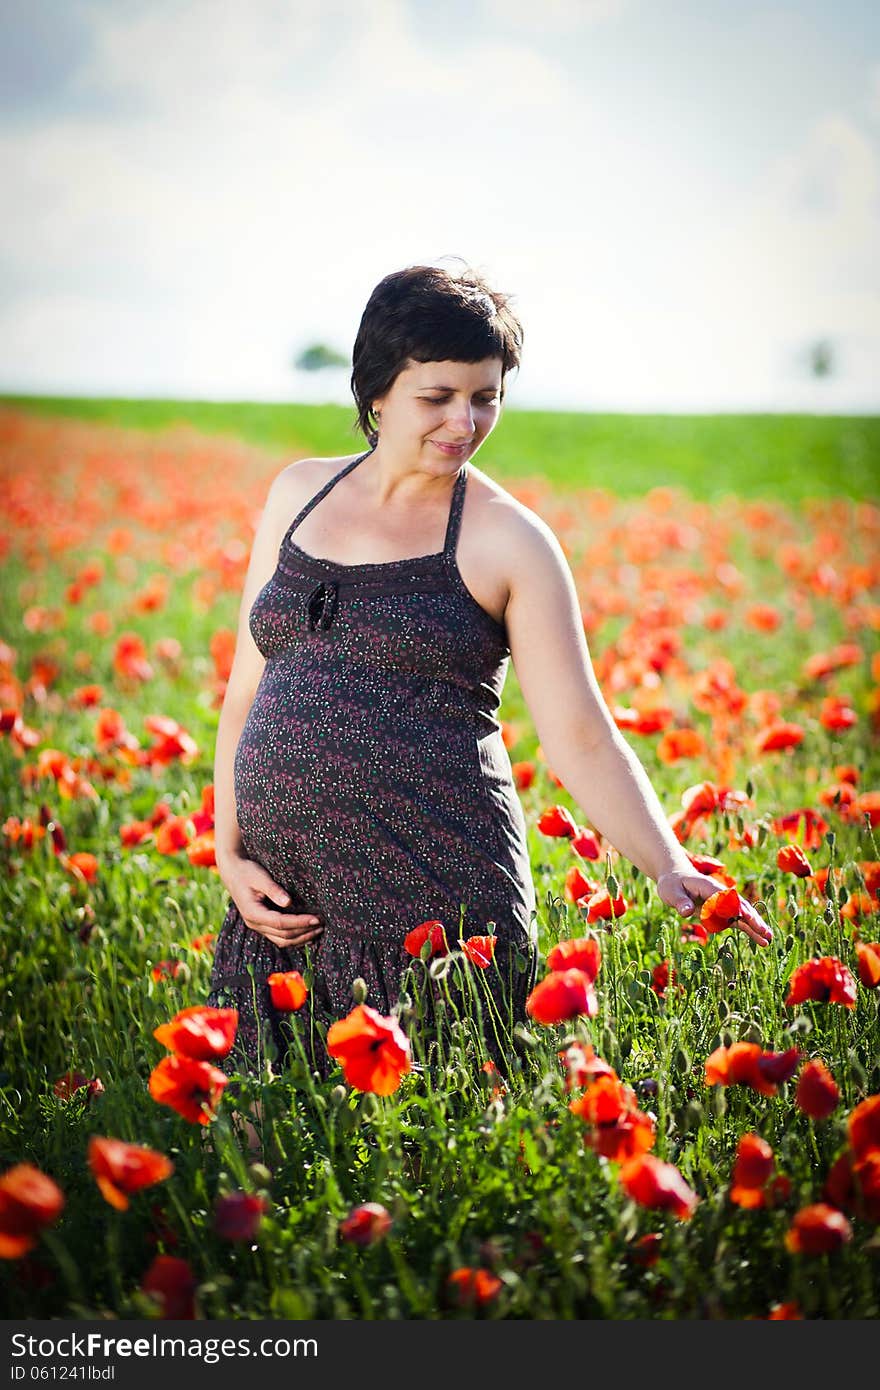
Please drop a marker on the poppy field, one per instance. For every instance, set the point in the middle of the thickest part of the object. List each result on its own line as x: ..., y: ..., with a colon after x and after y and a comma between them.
x: 685, y: 1126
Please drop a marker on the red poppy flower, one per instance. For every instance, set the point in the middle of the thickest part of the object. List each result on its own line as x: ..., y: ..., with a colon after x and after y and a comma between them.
x: 792, y: 860
x: 708, y: 864
x: 577, y: 885
x: 29, y: 1200
x: 205, y: 817
x: 618, y: 1130
x: 805, y: 822
x: 867, y: 1179
x: 839, y: 1188
x: 200, y: 1033
x: 868, y: 804
x: 523, y: 774
x: 129, y: 657
x: 366, y: 1225
x: 135, y: 832
x: 720, y: 910
x: 473, y: 1287
x: 165, y: 970
x: 605, y: 1101
x: 868, y: 955
x: 864, y: 1128
x: 171, y: 741
x: 661, y: 977
x: 480, y: 950
x: 73, y: 1082
x: 700, y: 800
x: 785, y: 1312
x: 652, y: 1183
x: 191, y: 1088
x: 172, y: 1283
x: 779, y: 1066
x: 87, y: 696
x: 825, y: 663
x: 173, y: 834
x: 23, y: 832
x: 818, y: 1230
x: 817, y: 1092
x: 744, y: 1064
x: 647, y: 1249
x: 557, y: 821
x: 601, y: 907
x: 837, y: 714
x: 120, y: 1169
x: 288, y: 990
x: 763, y: 617
x: 580, y: 953
x: 585, y: 843
x: 825, y: 979
x: 561, y: 995
x: 82, y: 865
x: 201, y: 851
x: 779, y: 735
x: 857, y: 907
x: 373, y: 1051
x: 694, y: 931
x: 642, y: 721
x: 846, y: 772
x: 582, y: 1065
x: 680, y: 743
x: 203, y: 942
x: 752, y: 1170
x: 854, y: 1185
x: 432, y: 931
x: 238, y: 1216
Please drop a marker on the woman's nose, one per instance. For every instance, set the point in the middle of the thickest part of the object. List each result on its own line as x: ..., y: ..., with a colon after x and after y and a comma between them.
x: 461, y: 419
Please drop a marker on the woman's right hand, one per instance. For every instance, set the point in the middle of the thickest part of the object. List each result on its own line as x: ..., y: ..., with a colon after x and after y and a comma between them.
x: 249, y: 885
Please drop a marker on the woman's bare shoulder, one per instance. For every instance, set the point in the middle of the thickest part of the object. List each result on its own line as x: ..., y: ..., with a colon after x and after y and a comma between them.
x: 511, y: 521
x: 300, y: 480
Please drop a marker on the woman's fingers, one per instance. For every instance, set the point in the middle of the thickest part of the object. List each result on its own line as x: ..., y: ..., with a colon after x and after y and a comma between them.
x: 699, y: 887
x: 261, y: 885
x: 754, y: 925
x: 285, y: 937
x: 286, y: 943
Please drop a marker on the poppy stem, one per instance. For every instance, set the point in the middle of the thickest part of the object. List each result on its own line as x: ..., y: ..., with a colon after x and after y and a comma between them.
x: 65, y: 1263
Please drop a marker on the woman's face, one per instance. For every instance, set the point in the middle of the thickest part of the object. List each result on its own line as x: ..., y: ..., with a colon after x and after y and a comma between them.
x: 439, y: 413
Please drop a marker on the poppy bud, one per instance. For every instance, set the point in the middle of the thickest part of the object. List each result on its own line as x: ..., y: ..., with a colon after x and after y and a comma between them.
x: 359, y: 990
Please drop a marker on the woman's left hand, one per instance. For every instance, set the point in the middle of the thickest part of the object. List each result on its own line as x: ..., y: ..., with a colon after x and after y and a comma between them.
x: 685, y: 892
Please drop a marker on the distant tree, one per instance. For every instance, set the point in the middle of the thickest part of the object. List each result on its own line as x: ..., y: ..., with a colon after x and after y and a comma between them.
x: 820, y: 356
x: 317, y: 356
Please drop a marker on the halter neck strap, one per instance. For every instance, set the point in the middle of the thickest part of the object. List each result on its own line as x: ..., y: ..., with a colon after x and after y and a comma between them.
x: 453, y: 525
x: 331, y: 483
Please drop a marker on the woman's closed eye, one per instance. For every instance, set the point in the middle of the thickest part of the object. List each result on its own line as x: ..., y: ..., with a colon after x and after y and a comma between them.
x: 444, y: 400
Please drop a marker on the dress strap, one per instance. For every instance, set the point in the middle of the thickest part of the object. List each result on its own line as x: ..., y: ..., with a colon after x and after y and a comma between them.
x: 313, y: 501
x: 453, y: 525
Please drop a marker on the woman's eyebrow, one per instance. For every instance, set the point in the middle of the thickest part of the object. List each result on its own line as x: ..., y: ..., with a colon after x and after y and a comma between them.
x: 478, y: 391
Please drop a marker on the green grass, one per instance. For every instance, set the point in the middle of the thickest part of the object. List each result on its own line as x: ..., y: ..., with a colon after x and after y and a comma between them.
x: 506, y: 1183
x: 789, y: 457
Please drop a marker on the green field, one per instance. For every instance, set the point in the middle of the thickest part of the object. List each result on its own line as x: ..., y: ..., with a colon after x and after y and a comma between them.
x: 789, y: 457
x: 475, y: 1172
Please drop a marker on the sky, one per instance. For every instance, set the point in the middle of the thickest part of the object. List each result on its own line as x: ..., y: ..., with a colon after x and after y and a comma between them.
x: 681, y: 196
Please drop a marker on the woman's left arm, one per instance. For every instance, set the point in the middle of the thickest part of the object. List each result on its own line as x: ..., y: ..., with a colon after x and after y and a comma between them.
x: 579, y: 739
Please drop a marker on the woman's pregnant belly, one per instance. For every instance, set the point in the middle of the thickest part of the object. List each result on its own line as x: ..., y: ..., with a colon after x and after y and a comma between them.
x: 360, y: 785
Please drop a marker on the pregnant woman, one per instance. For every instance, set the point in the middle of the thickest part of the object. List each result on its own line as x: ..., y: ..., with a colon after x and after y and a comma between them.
x: 362, y: 786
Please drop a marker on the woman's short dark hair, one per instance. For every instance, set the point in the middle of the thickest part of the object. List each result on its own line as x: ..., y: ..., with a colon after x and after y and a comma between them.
x: 426, y: 314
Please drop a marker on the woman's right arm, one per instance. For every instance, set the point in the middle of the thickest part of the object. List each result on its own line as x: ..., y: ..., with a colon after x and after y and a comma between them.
x: 248, y: 882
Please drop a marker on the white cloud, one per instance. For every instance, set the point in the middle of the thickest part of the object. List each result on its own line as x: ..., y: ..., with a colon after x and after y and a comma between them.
x: 554, y: 15
x: 261, y: 166
x: 874, y: 91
